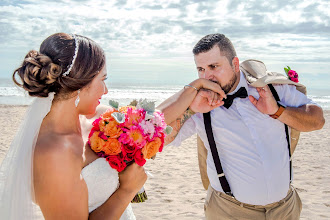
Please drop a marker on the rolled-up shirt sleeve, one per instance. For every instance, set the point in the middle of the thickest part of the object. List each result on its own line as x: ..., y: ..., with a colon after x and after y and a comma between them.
x: 291, y: 97
x: 186, y: 131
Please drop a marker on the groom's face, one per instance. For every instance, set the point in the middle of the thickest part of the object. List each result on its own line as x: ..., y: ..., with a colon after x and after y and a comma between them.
x: 214, y: 66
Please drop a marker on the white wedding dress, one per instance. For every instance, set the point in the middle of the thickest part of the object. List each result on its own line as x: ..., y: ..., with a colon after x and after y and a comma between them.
x: 16, y: 182
x: 102, y: 181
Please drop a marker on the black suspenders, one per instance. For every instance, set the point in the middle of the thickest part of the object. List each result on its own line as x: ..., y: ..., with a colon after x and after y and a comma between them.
x: 286, y: 129
x: 208, y: 128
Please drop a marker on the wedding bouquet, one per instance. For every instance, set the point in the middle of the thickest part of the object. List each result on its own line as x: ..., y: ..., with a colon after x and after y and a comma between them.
x: 123, y: 135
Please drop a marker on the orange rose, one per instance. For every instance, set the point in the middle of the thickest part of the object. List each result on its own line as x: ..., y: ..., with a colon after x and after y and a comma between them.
x: 112, y: 130
x: 124, y: 108
x: 102, y: 125
x: 96, y: 142
x: 112, y: 147
x: 151, y: 148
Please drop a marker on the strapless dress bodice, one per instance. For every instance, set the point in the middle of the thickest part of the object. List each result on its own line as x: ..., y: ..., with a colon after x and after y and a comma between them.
x: 102, y: 181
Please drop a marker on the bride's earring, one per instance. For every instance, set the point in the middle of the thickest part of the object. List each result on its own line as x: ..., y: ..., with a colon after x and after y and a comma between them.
x: 77, y: 99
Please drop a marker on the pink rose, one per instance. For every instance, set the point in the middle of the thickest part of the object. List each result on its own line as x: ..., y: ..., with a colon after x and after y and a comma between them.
x: 96, y: 124
x: 293, y: 76
x: 292, y: 73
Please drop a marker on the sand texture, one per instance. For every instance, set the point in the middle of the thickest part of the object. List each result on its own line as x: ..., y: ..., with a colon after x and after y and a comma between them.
x: 175, y: 191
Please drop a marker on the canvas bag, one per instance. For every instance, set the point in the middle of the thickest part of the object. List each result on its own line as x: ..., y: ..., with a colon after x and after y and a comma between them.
x: 256, y: 75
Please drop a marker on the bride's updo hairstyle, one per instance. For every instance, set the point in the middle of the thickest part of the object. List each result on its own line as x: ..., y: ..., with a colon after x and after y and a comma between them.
x: 48, y: 70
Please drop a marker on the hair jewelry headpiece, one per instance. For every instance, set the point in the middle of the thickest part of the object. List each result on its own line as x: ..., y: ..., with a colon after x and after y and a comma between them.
x: 74, y: 56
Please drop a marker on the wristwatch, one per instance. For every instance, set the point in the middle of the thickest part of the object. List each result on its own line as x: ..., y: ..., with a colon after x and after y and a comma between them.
x: 279, y: 111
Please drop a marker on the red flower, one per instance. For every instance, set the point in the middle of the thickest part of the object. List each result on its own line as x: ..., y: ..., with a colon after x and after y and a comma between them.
x: 117, y: 162
x: 101, y: 135
x: 293, y: 76
x: 96, y: 124
x: 129, y: 157
x: 294, y: 79
x: 138, y: 157
x: 162, y: 137
x: 129, y: 149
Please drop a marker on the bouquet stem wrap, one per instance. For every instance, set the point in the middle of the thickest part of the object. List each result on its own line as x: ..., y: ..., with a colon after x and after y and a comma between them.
x: 141, y: 196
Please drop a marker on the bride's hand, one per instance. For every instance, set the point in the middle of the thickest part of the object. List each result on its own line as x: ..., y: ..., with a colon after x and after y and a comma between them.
x: 132, y: 178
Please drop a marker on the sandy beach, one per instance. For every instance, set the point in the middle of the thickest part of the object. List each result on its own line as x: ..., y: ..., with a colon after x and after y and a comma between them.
x: 175, y: 191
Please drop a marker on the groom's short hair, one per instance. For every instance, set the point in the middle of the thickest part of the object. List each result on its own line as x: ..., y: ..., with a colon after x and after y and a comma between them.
x: 206, y: 43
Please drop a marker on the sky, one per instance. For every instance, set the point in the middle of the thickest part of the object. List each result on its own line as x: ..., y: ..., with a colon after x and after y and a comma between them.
x: 150, y: 41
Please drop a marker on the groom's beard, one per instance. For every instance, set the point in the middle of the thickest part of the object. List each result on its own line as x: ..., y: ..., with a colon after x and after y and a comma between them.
x: 226, y: 88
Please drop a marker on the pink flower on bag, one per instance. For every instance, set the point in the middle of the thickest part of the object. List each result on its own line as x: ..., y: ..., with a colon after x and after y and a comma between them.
x: 292, y: 75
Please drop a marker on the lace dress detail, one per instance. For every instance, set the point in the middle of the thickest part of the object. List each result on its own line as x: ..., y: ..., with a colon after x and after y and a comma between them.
x: 102, y: 181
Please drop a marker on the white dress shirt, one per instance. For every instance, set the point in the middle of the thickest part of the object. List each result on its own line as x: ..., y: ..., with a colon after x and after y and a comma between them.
x: 252, y: 146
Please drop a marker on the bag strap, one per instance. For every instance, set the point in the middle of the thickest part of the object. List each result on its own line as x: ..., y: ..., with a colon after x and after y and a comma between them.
x: 208, y: 128
x: 277, y: 98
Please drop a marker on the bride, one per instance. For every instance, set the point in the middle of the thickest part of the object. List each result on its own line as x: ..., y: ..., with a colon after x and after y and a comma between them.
x: 47, y: 167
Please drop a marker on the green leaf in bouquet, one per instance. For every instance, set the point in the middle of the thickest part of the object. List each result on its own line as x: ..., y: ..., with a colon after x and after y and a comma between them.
x: 114, y: 104
x: 119, y: 117
x: 149, y: 106
x: 133, y: 103
x: 286, y: 70
x: 168, y: 129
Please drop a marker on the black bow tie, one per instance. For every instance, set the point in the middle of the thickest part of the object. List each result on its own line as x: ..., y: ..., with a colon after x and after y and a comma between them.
x: 241, y: 93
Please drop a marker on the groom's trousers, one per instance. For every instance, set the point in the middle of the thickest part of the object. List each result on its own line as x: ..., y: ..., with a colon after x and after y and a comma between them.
x: 219, y: 205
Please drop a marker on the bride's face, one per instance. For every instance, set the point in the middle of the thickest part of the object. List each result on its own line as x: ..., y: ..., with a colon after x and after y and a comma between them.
x: 91, y: 95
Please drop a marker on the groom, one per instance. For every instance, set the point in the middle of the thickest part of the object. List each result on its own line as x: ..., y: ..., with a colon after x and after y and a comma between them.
x: 248, y: 133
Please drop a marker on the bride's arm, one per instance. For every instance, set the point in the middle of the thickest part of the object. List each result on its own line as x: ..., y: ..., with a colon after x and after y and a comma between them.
x: 60, y: 190
x: 62, y: 193
x: 131, y: 181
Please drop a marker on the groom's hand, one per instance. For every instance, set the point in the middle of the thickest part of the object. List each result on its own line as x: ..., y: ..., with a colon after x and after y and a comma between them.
x: 266, y: 103
x: 209, y: 96
x: 205, y: 101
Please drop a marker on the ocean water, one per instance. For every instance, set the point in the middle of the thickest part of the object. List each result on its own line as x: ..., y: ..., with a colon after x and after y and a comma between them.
x: 10, y: 94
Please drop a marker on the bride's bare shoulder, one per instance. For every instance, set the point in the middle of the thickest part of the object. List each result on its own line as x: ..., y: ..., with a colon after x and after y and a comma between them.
x: 61, y: 148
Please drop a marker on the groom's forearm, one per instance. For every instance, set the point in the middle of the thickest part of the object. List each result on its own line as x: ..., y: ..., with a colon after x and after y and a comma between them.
x: 304, y: 118
x: 176, y: 112
x: 177, y: 125
x: 176, y: 105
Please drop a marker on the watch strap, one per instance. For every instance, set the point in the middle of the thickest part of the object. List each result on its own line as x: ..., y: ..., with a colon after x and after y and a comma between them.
x: 279, y: 111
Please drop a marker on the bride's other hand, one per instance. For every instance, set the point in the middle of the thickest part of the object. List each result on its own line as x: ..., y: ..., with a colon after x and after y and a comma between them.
x: 132, y: 178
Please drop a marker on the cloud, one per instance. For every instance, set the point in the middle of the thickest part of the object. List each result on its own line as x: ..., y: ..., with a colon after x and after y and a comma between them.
x: 165, y: 31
